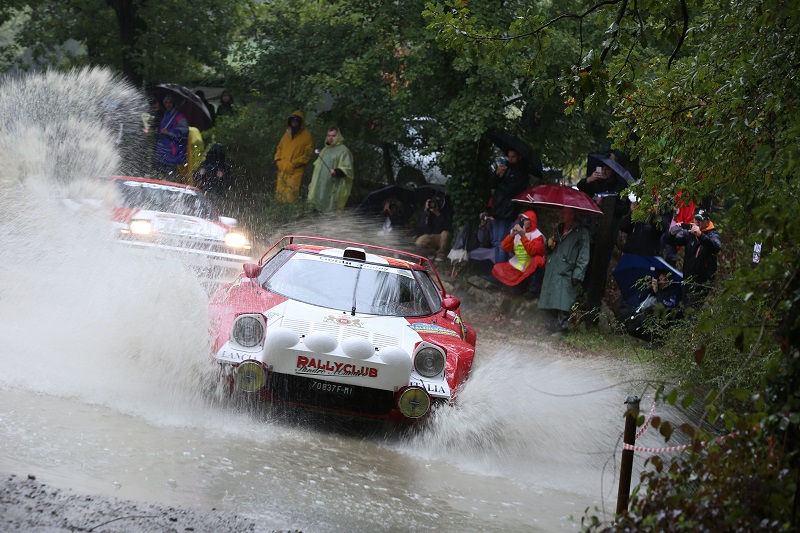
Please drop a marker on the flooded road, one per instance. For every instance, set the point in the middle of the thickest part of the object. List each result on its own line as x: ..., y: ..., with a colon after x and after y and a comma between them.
x: 104, y: 390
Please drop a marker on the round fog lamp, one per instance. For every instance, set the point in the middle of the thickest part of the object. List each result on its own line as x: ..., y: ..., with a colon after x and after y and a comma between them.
x: 247, y: 331
x: 414, y: 402
x: 250, y: 377
x: 429, y: 362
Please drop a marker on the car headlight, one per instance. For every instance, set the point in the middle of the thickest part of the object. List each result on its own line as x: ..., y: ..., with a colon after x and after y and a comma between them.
x: 141, y: 227
x: 250, y: 376
x: 247, y: 331
x: 429, y: 362
x: 236, y: 240
x: 414, y: 402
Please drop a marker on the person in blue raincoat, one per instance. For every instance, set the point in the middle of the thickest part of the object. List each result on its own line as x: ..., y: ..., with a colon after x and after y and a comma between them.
x: 173, y: 136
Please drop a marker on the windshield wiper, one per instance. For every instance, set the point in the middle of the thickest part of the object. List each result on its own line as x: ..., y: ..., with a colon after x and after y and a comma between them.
x: 355, y: 290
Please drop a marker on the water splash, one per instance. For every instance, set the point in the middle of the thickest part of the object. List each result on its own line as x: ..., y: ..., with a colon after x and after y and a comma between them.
x: 80, y: 316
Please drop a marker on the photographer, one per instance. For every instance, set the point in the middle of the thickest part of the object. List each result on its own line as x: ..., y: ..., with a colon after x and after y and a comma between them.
x: 510, y: 178
x: 436, y: 226
x: 702, y: 244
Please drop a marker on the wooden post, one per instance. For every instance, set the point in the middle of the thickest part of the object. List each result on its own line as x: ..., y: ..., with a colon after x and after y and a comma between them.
x: 626, y: 464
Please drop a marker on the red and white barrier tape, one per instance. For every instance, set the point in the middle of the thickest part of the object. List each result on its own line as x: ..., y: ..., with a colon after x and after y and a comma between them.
x: 646, y: 422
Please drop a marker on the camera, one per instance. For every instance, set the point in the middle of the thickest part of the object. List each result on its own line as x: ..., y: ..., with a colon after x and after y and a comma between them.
x: 684, y: 225
x: 432, y: 203
x: 484, y: 217
x: 502, y: 161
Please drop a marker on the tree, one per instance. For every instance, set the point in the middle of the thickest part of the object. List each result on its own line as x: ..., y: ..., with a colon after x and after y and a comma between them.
x: 706, y: 99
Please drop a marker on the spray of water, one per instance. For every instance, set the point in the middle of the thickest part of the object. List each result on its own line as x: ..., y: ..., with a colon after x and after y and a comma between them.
x: 80, y: 316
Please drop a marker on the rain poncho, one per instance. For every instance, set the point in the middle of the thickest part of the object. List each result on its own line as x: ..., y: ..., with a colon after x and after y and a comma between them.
x: 295, y: 150
x: 528, y: 255
x: 326, y: 192
x: 567, y: 262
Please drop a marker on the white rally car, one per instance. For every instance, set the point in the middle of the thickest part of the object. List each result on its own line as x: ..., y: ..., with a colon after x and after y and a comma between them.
x: 178, y: 219
x: 340, y: 326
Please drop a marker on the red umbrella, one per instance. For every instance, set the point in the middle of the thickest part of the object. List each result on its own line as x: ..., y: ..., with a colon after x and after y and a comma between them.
x: 556, y: 196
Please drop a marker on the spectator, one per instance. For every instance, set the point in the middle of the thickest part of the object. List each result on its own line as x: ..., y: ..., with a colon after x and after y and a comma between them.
x: 661, y: 298
x: 526, y: 244
x: 508, y: 181
x: 295, y: 150
x: 567, y: 261
x: 644, y: 238
x: 209, y: 106
x: 392, y: 214
x: 214, y: 174
x: 226, y: 107
x: 484, y: 250
x: 173, y: 134
x: 436, y: 227
x: 684, y: 214
x: 604, y: 186
x: 333, y: 175
x: 702, y: 244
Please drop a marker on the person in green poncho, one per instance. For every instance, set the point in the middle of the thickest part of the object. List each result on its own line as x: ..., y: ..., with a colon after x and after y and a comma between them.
x: 333, y: 175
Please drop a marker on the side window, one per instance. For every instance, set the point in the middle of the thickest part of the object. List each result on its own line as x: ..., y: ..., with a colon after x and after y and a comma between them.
x: 429, y: 288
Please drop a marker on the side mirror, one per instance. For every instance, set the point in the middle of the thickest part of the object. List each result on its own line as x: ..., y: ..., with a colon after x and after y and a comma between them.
x: 251, y: 270
x: 450, y: 303
x: 228, y: 221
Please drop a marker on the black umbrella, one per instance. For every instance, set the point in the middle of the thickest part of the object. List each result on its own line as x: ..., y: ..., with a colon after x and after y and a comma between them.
x: 596, y: 160
x: 508, y: 141
x: 186, y: 102
x: 375, y: 199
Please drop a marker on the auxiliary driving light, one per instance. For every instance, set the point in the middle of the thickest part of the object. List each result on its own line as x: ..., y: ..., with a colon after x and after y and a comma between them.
x: 250, y: 376
x: 247, y: 331
x: 141, y: 227
x: 414, y: 402
x: 429, y: 362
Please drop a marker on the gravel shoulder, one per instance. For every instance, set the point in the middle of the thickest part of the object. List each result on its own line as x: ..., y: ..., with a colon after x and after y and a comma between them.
x: 34, y: 507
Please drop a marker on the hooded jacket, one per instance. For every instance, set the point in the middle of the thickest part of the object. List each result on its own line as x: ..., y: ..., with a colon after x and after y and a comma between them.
x: 295, y: 150
x: 528, y: 254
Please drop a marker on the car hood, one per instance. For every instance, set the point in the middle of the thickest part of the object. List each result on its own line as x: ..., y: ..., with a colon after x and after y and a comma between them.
x: 366, y: 350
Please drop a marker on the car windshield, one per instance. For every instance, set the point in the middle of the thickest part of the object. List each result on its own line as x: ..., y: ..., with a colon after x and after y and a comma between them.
x: 343, y: 284
x: 164, y: 198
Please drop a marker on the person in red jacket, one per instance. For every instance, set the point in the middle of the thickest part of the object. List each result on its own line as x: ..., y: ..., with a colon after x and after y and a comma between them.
x: 525, y: 243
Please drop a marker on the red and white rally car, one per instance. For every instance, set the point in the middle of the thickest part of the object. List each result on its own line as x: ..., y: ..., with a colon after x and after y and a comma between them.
x: 178, y: 219
x: 345, y: 327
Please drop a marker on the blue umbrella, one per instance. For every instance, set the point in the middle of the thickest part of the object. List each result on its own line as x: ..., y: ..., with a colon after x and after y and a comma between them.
x: 632, y: 268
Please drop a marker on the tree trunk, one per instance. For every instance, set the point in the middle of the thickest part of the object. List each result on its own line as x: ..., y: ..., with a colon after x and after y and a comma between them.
x: 130, y: 26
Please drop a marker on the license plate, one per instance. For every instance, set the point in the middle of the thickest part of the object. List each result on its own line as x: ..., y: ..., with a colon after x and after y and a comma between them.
x: 330, y: 388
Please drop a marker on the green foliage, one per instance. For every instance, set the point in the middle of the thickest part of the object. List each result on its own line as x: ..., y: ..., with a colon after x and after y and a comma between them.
x: 149, y: 41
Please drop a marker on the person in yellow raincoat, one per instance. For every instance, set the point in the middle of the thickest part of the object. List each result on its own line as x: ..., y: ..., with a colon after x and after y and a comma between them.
x: 295, y: 150
x: 333, y: 174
